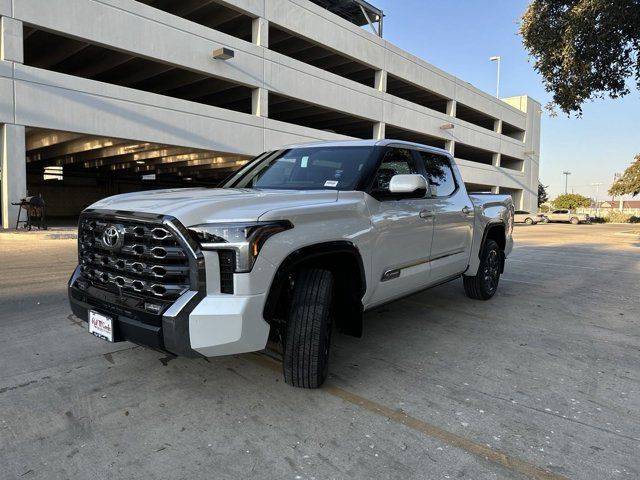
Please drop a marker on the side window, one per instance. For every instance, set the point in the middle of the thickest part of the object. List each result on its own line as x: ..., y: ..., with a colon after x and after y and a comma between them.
x: 396, y: 161
x: 439, y: 173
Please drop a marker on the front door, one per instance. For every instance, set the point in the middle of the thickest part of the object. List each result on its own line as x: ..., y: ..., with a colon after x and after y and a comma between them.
x: 400, y: 261
x: 454, y: 217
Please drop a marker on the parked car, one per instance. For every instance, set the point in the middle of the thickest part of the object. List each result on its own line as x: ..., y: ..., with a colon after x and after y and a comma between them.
x: 297, y: 240
x: 567, y: 216
x: 522, y: 216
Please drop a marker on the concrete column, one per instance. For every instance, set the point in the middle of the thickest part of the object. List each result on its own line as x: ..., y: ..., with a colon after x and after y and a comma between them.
x: 495, y: 190
x: 380, y: 81
x: 260, y: 32
x: 260, y: 102
x: 450, y: 146
x: 496, y: 159
x: 11, y: 43
x: 497, y: 126
x: 13, y: 166
x: 451, y: 108
x: 379, y: 130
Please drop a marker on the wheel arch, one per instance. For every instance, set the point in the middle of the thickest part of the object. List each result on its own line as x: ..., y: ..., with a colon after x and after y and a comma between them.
x: 340, y: 257
x: 496, y: 231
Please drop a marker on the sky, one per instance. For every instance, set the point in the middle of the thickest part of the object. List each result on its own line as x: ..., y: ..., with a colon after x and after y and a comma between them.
x: 459, y: 36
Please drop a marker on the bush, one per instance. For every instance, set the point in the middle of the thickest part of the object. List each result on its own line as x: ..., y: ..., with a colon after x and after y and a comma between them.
x: 618, y: 217
x: 598, y: 220
x: 634, y: 219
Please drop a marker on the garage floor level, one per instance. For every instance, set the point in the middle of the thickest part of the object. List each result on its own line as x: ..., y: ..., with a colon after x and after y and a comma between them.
x: 543, y: 381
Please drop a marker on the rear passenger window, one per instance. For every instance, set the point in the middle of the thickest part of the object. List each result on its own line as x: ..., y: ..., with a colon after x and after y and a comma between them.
x: 439, y: 173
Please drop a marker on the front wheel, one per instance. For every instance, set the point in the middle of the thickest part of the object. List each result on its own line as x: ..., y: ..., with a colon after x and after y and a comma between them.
x: 483, y: 285
x: 528, y: 221
x: 308, y: 333
x: 574, y: 221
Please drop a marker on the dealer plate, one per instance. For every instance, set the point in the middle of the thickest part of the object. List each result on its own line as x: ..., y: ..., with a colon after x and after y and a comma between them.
x: 101, y: 325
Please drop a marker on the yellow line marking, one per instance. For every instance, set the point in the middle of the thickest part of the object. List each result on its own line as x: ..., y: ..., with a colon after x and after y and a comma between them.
x: 496, y: 456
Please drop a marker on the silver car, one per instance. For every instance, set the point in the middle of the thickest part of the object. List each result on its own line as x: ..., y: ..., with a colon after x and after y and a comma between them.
x: 522, y: 216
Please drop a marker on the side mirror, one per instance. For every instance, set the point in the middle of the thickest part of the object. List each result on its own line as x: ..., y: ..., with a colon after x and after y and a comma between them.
x: 408, y: 184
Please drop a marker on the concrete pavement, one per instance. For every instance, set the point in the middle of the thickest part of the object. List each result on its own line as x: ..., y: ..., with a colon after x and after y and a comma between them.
x: 540, y: 382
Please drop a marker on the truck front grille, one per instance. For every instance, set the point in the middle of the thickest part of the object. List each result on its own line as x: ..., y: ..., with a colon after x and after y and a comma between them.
x: 140, y: 259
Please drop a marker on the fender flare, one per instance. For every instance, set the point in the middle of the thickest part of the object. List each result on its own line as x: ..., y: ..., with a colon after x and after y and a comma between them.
x: 350, y: 319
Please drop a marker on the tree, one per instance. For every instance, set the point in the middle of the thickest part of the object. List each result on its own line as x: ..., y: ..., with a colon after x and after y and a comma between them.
x: 543, y: 197
x: 571, y: 201
x: 629, y: 183
x: 584, y: 49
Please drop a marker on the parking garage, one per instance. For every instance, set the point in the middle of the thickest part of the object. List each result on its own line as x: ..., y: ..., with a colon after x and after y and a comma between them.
x: 88, y: 111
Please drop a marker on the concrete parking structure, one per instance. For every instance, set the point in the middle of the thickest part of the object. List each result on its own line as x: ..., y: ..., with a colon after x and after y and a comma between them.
x: 541, y: 382
x: 102, y: 110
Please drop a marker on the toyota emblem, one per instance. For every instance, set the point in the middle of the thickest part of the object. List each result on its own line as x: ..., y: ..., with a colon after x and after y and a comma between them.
x: 113, y: 236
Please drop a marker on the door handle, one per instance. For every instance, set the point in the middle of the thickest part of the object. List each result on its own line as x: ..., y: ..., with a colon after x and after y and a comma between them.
x: 426, y: 213
x: 466, y: 210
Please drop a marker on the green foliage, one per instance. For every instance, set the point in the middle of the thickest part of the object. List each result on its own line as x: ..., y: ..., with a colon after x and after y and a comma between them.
x: 634, y: 219
x: 571, y: 201
x: 629, y: 183
x: 618, y: 217
x: 584, y: 49
x: 543, y: 197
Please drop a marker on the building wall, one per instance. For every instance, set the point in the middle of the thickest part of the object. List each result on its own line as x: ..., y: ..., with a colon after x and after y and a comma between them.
x: 36, y: 97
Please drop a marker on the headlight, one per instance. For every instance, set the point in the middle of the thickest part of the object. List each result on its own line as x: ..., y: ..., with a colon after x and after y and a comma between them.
x: 245, y: 239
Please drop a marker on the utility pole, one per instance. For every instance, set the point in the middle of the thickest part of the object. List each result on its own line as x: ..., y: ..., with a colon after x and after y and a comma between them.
x: 497, y: 58
x: 597, y: 185
x: 566, y: 180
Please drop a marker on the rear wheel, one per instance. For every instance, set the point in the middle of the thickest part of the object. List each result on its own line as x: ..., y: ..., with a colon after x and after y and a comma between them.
x: 483, y: 285
x: 574, y: 221
x: 308, y: 333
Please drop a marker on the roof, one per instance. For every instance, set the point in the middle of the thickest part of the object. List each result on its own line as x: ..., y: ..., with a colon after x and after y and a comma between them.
x: 351, y: 10
x: 368, y: 143
x: 616, y: 204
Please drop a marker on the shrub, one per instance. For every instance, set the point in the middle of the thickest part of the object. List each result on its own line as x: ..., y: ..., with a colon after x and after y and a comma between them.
x: 634, y: 219
x: 618, y: 217
x: 598, y: 220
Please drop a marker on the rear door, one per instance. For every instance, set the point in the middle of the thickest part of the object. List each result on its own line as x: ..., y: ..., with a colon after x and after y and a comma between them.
x: 453, y: 218
x: 404, y: 229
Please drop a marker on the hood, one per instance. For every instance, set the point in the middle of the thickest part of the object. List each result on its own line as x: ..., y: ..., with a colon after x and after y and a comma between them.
x: 193, y: 206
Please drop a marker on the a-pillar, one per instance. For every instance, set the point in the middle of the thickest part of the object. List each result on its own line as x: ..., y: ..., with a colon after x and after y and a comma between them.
x: 14, y: 171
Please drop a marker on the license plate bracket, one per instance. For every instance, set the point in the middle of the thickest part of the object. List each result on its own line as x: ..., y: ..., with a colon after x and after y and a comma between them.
x: 101, y: 325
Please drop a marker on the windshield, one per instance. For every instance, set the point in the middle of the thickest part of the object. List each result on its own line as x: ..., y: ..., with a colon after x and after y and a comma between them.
x: 312, y: 168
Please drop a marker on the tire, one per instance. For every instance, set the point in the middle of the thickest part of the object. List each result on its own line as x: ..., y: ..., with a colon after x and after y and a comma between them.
x: 528, y: 221
x: 574, y: 221
x: 308, y: 333
x: 484, y: 284
x: 545, y: 220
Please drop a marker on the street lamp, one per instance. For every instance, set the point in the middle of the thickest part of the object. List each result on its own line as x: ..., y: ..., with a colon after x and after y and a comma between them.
x: 566, y: 180
x: 497, y: 59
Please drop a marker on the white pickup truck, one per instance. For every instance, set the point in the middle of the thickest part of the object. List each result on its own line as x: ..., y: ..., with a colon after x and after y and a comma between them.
x: 298, y: 241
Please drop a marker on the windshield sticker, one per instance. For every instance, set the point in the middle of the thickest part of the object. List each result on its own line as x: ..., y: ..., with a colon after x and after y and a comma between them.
x: 331, y: 183
x: 304, y: 161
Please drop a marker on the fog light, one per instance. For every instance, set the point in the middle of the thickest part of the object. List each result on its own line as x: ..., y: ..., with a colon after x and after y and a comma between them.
x: 152, y: 308
x: 82, y: 285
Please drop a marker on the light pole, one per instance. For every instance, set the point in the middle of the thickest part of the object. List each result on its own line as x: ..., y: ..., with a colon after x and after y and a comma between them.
x: 597, y: 185
x: 497, y: 59
x: 566, y: 180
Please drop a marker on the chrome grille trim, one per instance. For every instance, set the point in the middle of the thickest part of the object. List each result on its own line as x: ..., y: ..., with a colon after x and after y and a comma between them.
x: 152, y: 262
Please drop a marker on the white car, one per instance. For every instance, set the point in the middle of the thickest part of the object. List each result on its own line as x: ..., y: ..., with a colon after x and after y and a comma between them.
x: 297, y: 240
x: 522, y: 216
x: 567, y: 216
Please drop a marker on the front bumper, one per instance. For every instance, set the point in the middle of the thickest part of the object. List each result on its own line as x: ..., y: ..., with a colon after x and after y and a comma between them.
x: 195, y: 325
